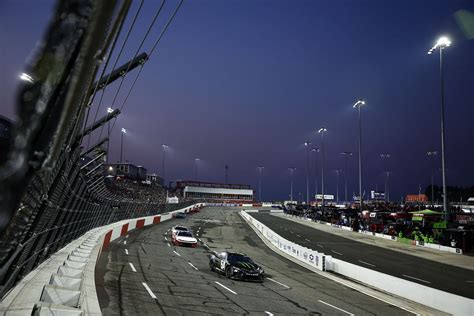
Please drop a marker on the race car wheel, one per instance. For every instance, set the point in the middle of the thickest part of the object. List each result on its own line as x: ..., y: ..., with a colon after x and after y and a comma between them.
x: 260, y: 278
x: 228, y: 272
x: 211, y: 266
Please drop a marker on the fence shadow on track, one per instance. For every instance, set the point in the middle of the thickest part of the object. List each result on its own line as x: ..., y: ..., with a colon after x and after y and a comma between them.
x: 47, y: 195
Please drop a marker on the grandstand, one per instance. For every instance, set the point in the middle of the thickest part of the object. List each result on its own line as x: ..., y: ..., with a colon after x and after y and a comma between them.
x: 215, y: 192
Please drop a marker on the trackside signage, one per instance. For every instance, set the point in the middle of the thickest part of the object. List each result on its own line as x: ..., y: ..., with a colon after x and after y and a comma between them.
x: 308, y: 256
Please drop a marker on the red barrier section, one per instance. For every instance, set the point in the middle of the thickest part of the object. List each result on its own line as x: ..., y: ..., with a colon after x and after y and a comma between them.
x: 124, y: 230
x: 140, y: 223
x: 156, y: 219
x: 107, y: 238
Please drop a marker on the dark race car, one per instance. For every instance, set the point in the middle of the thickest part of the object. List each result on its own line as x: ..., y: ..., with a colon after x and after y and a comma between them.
x: 236, y: 266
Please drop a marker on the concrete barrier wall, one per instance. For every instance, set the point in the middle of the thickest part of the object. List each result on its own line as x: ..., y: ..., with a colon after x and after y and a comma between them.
x: 65, y: 284
x: 447, y: 302
x: 303, y: 254
x: 444, y: 301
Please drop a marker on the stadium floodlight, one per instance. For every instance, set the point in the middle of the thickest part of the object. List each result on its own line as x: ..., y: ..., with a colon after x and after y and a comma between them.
x: 346, y: 155
x: 358, y: 106
x: 26, y: 77
x: 321, y: 131
x: 442, y: 43
x: 291, y: 169
x: 163, y: 146
x: 316, y: 151
x: 124, y: 131
x: 306, y: 144
x: 110, y: 110
x: 196, y: 168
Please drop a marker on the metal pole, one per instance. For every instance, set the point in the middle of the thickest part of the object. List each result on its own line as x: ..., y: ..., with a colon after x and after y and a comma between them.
x: 337, y: 186
x: 360, y: 161
x: 443, y: 158
x: 163, y: 147
x: 291, y: 185
x: 108, y: 141
x: 322, y: 170
x: 121, y: 148
x: 388, y: 186
x: 432, y: 189
x: 195, y: 170
x: 316, y: 176
x: 307, y: 174
x: 260, y: 183
x: 345, y: 179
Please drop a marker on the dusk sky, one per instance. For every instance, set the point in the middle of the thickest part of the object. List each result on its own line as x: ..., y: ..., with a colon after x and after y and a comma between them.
x: 247, y: 82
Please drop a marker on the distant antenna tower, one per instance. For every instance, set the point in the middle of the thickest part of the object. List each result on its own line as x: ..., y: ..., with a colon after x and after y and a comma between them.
x: 226, y: 173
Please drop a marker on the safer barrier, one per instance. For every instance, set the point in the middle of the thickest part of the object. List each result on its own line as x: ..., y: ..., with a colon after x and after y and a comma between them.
x: 303, y: 254
x: 444, y: 301
x: 65, y: 283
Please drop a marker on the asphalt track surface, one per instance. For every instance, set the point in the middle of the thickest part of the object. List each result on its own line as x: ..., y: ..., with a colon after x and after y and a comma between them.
x: 143, y: 274
x: 437, y: 275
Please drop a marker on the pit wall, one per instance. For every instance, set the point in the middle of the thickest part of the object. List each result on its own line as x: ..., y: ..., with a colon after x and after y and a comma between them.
x: 444, y: 301
x: 394, y: 238
x: 65, y: 283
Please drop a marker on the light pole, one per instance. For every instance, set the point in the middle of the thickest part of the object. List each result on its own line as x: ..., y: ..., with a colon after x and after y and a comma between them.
x: 442, y: 43
x: 432, y: 154
x: 337, y: 184
x: 346, y: 155
x: 124, y: 131
x: 196, y: 168
x: 321, y: 131
x: 316, y: 151
x: 357, y: 106
x: 387, y: 176
x: 306, y: 144
x: 109, y: 110
x: 164, y: 146
x: 291, y: 169
x: 260, y: 168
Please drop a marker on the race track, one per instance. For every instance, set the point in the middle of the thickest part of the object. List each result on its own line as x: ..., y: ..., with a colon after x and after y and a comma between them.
x: 440, y: 276
x: 143, y: 274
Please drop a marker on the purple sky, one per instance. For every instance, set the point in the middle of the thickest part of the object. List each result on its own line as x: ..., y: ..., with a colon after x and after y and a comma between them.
x: 245, y: 83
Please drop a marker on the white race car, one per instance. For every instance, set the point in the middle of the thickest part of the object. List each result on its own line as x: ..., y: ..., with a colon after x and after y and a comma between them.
x: 184, y: 238
x: 178, y: 228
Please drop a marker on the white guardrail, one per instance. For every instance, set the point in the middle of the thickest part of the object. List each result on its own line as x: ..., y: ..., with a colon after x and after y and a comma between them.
x: 64, y: 284
x: 444, y: 301
x: 306, y: 255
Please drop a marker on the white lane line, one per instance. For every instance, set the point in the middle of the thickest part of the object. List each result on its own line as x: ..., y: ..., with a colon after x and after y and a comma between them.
x: 298, y: 235
x: 286, y: 228
x: 335, y: 307
x: 126, y: 252
x: 169, y: 245
x: 338, y: 253
x: 225, y: 287
x: 369, y: 264
x: 307, y: 239
x: 177, y: 253
x: 131, y: 266
x: 284, y: 285
x: 192, y: 266
x: 166, y: 238
x: 319, y: 246
x: 415, y: 278
x: 124, y: 242
x: 268, y: 313
x: 470, y: 281
x: 148, y: 290
x: 126, y: 236
x: 291, y: 231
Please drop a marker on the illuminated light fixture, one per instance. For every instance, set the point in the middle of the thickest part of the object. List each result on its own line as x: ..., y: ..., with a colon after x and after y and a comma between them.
x: 359, y: 103
x: 322, y: 130
x: 124, y: 130
x: 110, y: 110
x: 442, y: 43
x: 307, y: 144
x: 26, y: 77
